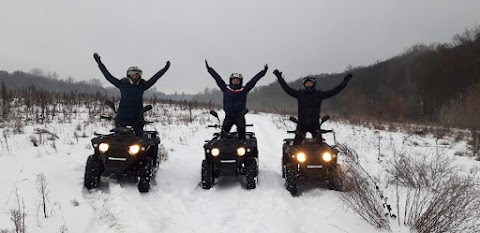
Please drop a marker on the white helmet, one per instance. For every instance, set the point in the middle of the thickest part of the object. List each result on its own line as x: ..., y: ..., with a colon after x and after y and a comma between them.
x: 134, y: 70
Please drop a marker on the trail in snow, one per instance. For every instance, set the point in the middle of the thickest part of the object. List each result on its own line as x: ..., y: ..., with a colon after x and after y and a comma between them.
x: 177, y: 203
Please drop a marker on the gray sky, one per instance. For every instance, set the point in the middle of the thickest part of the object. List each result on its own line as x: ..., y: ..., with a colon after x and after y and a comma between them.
x: 298, y: 37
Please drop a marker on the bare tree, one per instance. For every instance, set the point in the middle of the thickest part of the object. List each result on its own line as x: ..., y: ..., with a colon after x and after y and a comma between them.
x: 43, y: 191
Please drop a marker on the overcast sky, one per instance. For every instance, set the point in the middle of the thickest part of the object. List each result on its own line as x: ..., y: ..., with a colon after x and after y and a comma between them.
x: 298, y: 37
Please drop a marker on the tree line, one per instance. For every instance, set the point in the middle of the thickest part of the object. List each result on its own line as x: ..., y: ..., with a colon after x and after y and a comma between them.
x: 436, y: 83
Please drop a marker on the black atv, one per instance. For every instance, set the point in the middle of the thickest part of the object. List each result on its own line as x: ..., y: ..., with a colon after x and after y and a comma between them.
x: 312, y: 160
x: 122, y: 153
x: 227, y: 155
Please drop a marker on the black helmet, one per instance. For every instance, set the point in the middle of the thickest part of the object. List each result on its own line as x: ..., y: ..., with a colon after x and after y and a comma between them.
x: 236, y: 76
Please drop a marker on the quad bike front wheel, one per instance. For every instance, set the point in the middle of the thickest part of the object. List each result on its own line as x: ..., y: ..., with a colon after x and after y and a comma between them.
x: 251, y: 172
x: 284, y: 170
x: 207, y: 174
x: 93, y: 171
x: 291, y: 171
x: 335, y: 179
x: 145, y: 174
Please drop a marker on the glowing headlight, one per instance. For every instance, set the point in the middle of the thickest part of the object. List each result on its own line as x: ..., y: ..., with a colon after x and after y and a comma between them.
x: 301, y: 157
x: 215, y: 151
x: 103, y: 147
x: 134, y: 149
x: 241, y: 151
x: 327, y: 156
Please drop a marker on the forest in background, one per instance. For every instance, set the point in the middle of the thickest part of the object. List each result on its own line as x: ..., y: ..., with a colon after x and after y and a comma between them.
x: 436, y: 83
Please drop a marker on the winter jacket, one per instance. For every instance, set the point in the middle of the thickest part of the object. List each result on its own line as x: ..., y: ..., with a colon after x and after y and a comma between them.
x: 235, y: 99
x: 309, y: 104
x: 131, y: 98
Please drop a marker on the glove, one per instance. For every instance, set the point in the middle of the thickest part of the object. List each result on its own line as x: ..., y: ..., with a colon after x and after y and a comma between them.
x: 277, y: 73
x: 97, y: 58
x: 347, y: 78
x: 206, y: 64
x: 265, y: 68
x: 167, y: 65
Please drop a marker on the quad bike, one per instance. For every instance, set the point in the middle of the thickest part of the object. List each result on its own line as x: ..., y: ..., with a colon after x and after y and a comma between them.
x: 314, y: 159
x: 122, y: 153
x: 227, y: 155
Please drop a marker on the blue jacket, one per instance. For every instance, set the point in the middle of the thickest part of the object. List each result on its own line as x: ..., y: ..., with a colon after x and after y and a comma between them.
x: 234, y: 100
x: 131, y: 98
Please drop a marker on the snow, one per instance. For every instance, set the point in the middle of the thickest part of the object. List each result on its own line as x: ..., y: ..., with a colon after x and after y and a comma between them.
x: 177, y: 203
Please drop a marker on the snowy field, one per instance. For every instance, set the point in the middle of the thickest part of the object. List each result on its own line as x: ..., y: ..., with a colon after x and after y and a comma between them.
x: 177, y: 203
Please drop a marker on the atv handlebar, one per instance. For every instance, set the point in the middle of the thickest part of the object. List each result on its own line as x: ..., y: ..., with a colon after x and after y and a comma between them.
x: 322, y: 131
x: 218, y: 126
x: 106, y: 117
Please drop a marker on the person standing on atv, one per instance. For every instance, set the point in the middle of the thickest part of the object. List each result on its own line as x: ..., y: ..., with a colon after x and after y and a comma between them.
x: 309, y: 104
x: 131, y: 88
x: 235, y: 98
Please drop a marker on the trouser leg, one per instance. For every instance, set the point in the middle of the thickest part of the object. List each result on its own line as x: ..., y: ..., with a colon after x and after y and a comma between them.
x: 299, y: 137
x: 240, y: 123
x: 227, y: 124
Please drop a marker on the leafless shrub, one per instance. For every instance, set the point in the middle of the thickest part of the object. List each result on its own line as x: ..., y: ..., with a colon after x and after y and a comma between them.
x: 18, y: 127
x: 452, y: 208
x: 63, y: 229
x: 474, y: 142
x: 18, y: 216
x: 54, y: 146
x: 459, y: 136
x: 5, y: 137
x: 440, y: 198
x: 162, y: 153
x: 43, y: 191
x: 459, y: 153
x: 75, y: 202
x: 361, y: 195
x: 419, y: 171
x: 34, y: 140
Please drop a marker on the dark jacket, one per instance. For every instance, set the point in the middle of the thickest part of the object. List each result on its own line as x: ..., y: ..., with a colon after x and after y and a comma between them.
x: 234, y: 100
x: 309, y: 104
x: 131, y: 98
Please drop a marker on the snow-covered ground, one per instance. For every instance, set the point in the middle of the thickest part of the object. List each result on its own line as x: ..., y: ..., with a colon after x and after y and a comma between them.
x: 177, y: 203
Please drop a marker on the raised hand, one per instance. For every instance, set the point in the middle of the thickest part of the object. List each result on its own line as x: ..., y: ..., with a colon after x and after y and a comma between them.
x: 347, y: 77
x: 206, y: 64
x: 265, y: 68
x: 277, y: 73
x: 167, y: 65
x: 97, y: 58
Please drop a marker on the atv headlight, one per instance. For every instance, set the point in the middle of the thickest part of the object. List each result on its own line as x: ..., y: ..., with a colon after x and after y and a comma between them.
x: 241, y: 151
x: 103, y: 147
x: 301, y: 157
x: 215, y: 151
x: 327, y: 156
x: 134, y: 149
